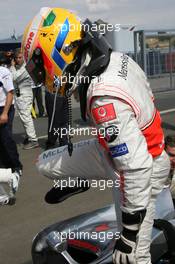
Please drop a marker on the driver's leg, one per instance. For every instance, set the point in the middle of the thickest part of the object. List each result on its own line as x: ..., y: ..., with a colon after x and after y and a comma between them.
x: 159, y: 175
x: 86, y: 162
x: 70, y: 173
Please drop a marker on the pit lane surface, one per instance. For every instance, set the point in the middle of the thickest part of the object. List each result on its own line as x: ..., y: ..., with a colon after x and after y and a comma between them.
x: 20, y: 223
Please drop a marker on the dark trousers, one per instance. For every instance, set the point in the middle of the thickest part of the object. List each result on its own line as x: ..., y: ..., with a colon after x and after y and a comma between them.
x: 9, y: 157
x: 60, y: 118
x: 37, y: 94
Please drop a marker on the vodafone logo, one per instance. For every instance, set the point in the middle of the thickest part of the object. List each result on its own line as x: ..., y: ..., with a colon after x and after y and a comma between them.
x: 28, y: 45
x: 101, y: 111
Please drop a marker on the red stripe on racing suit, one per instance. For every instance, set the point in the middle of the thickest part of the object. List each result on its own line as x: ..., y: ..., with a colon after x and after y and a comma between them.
x: 154, y: 136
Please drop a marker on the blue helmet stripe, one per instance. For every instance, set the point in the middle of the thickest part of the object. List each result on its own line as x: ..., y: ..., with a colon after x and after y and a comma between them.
x: 62, y: 35
x: 58, y: 59
x: 59, y: 43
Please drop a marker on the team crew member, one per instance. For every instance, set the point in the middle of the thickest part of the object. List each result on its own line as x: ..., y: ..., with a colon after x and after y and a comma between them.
x: 24, y: 98
x: 10, y: 166
x: 37, y: 94
x: 117, y: 98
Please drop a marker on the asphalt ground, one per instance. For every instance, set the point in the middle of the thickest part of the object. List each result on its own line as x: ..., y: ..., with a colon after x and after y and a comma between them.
x: 30, y: 214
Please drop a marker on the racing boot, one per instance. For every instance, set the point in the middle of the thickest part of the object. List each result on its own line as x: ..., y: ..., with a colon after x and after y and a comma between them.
x: 58, y: 194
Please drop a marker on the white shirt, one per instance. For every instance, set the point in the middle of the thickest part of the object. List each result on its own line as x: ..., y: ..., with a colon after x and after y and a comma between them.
x: 6, y: 84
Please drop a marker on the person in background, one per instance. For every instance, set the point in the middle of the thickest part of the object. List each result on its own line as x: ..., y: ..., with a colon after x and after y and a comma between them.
x: 10, y: 165
x: 9, y: 57
x: 24, y: 98
x: 60, y: 120
x: 170, y: 150
x: 37, y: 94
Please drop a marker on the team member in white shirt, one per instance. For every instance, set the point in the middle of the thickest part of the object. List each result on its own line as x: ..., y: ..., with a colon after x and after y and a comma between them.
x: 10, y: 166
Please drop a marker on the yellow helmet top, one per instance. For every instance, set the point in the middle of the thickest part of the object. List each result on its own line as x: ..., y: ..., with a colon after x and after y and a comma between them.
x: 54, y: 31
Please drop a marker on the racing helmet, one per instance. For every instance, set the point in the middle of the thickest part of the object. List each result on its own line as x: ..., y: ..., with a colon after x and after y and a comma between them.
x: 56, y: 43
x: 49, y: 44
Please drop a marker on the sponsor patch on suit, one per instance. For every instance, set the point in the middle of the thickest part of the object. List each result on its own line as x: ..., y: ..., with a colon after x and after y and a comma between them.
x: 104, y: 113
x: 119, y: 150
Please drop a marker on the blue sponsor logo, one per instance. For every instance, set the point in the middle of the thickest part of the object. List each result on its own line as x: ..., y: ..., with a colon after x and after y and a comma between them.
x: 119, y: 150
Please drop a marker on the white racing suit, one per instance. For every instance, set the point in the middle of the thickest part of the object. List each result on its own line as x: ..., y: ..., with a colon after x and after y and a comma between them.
x: 120, y: 99
x: 24, y: 101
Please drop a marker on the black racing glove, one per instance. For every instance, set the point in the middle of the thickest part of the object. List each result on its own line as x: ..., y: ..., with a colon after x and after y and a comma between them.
x: 125, y: 247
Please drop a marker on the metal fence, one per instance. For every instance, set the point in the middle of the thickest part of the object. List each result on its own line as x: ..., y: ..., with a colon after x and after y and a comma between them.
x: 155, y: 53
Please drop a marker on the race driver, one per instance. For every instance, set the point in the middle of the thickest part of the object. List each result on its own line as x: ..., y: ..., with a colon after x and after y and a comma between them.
x: 116, y: 96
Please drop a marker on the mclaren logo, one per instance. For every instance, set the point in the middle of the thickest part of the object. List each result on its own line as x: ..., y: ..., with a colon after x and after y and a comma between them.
x: 54, y: 152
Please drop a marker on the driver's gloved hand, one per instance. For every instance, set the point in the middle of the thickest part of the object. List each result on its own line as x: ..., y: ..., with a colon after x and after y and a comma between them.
x: 125, y: 247
x: 124, y: 251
